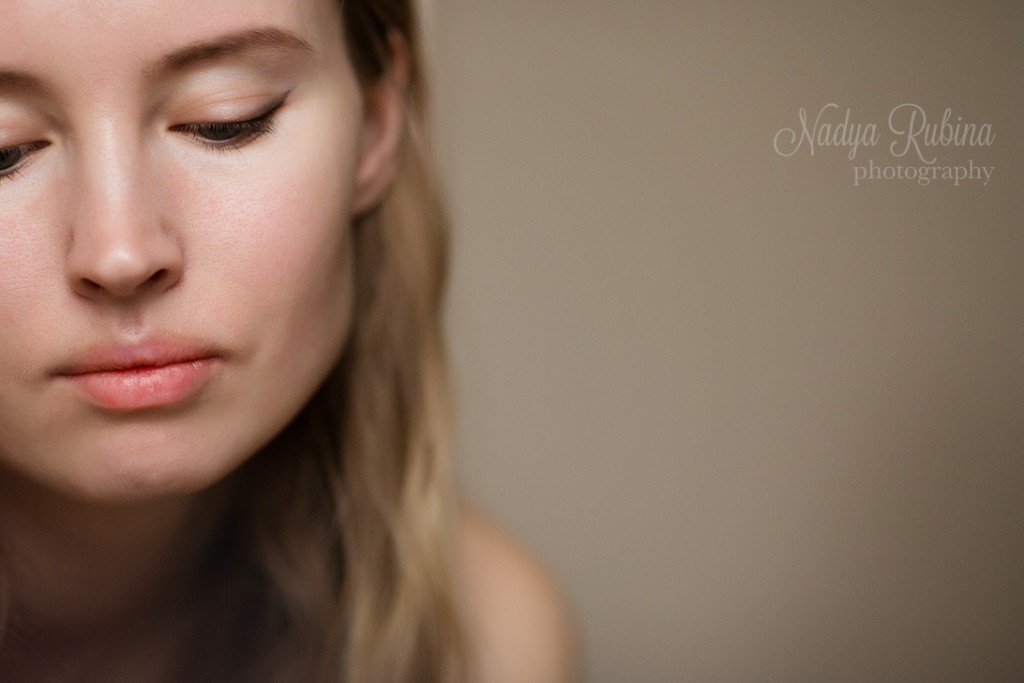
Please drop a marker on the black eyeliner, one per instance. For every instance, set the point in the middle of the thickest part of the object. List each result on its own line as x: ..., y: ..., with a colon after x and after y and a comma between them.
x: 241, y: 133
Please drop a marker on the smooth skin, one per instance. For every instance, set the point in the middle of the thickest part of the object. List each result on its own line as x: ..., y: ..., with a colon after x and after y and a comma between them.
x: 182, y: 172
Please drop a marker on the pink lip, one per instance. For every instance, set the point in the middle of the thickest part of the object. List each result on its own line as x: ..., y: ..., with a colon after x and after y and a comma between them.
x: 153, y: 374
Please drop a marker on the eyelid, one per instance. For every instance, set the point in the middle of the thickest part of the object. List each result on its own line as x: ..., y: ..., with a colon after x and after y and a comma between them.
x: 250, y: 127
x: 226, y: 111
x: 220, y: 102
x: 28, y: 150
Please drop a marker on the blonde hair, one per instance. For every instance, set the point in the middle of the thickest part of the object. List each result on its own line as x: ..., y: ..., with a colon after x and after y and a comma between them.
x: 346, y: 522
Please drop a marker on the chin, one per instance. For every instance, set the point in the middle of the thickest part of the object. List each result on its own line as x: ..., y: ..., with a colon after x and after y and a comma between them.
x: 139, y: 465
x: 140, y: 478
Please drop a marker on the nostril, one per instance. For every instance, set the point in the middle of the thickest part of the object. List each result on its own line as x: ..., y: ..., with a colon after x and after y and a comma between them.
x: 161, y: 279
x: 90, y: 285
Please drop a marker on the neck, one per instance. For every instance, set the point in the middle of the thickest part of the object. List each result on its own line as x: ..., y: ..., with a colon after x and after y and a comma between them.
x: 87, y: 579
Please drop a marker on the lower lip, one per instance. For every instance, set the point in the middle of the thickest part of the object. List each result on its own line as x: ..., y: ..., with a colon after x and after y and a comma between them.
x: 145, y: 387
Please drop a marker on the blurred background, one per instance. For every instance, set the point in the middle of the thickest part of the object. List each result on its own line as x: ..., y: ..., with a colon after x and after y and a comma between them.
x: 764, y: 423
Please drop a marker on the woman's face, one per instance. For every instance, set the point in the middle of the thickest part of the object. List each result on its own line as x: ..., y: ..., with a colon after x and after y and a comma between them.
x: 177, y: 183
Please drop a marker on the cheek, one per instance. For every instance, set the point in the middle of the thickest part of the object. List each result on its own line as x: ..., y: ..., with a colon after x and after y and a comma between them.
x: 269, y: 244
x: 31, y: 275
x: 282, y: 207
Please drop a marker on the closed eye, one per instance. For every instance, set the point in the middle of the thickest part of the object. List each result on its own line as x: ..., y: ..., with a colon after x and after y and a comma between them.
x: 224, y: 135
x: 12, y: 159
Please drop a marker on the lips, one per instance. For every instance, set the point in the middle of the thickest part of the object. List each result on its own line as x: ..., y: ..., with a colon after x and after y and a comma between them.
x: 153, y: 374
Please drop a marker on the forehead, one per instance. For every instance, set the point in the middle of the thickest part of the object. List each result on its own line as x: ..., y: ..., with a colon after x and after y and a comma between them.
x: 89, y: 42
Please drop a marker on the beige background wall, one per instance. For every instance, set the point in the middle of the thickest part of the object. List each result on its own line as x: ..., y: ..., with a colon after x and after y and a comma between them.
x: 765, y: 425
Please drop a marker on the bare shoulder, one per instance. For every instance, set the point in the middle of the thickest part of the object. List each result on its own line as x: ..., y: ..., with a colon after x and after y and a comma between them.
x: 517, y: 618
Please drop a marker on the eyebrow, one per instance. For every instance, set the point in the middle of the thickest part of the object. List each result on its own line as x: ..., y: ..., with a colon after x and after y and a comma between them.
x: 192, y: 55
x: 230, y: 45
x: 20, y: 82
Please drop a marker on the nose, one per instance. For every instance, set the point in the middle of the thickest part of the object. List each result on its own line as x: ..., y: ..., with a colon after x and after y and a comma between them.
x: 120, y: 247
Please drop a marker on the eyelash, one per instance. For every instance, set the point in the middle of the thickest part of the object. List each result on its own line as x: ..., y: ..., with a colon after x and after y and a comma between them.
x: 229, y: 135
x: 219, y: 135
x: 20, y: 153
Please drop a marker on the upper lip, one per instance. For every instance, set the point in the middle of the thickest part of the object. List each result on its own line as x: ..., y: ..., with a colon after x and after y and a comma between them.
x: 154, y: 352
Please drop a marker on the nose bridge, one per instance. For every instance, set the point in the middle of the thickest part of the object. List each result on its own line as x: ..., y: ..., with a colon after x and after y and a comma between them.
x: 107, y: 175
x: 119, y: 243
